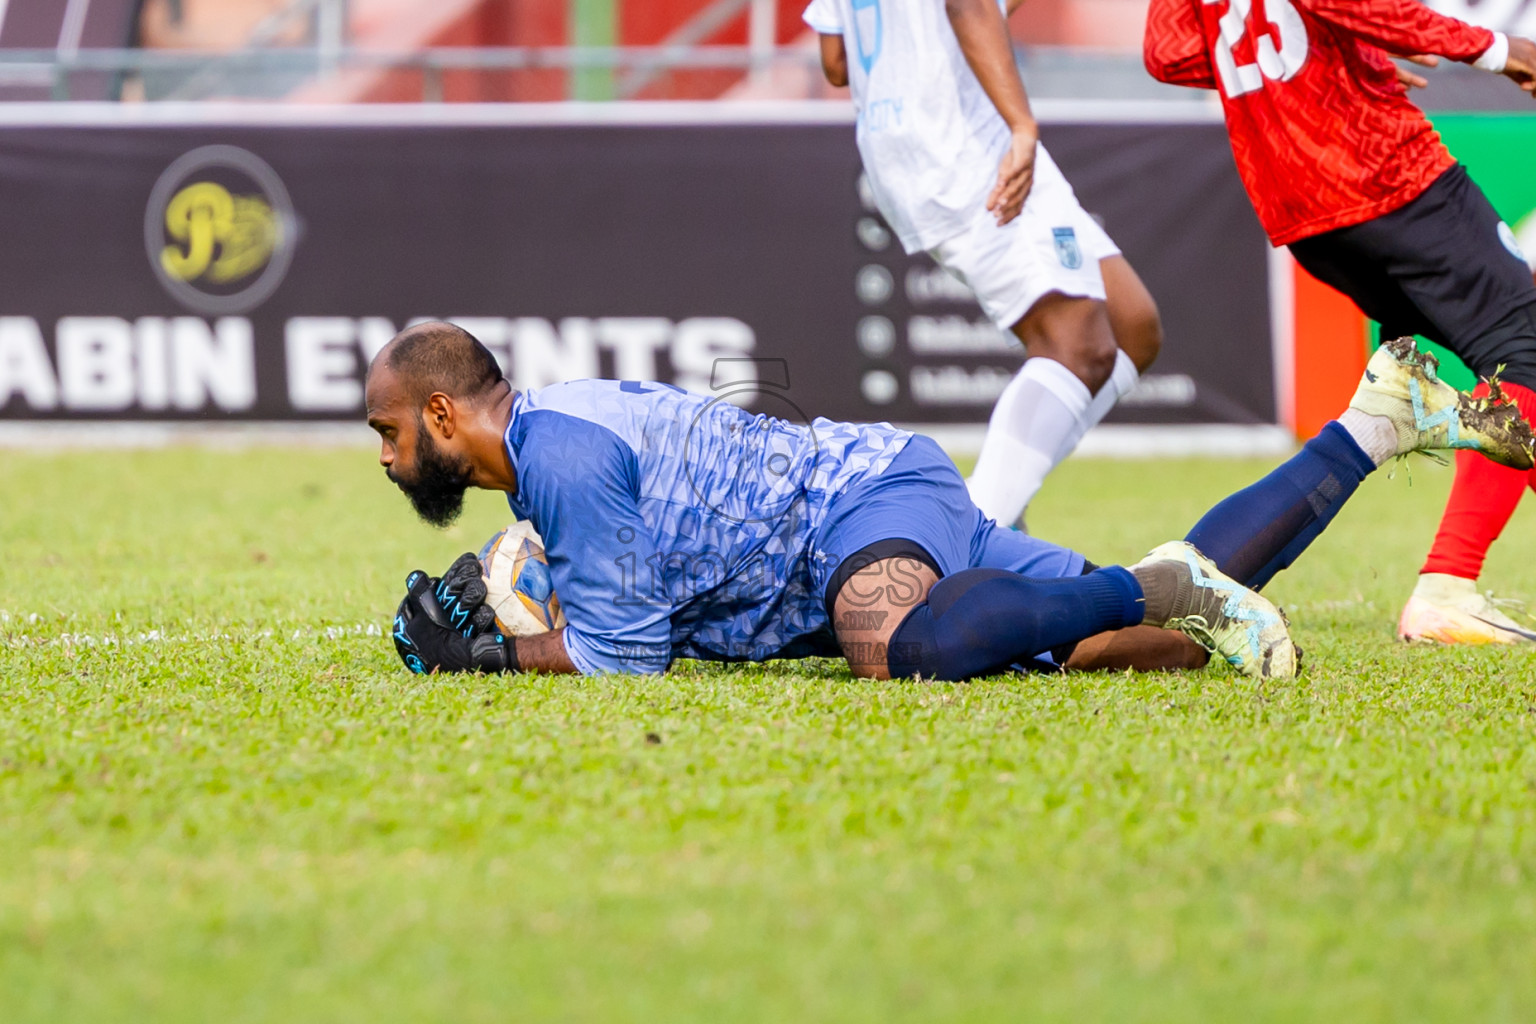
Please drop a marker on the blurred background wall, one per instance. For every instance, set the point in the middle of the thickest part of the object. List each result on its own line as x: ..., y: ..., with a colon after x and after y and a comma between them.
x: 265, y: 100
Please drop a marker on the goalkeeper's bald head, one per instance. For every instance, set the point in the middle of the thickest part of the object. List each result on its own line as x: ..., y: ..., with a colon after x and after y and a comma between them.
x: 437, y: 357
x: 438, y: 401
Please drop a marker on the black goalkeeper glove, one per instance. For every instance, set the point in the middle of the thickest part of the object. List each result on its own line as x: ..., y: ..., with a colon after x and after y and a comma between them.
x: 429, y: 641
x: 460, y: 593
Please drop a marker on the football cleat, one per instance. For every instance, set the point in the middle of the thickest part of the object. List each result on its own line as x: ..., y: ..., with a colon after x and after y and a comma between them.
x: 1447, y: 609
x: 1401, y: 384
x: 1226, y: 618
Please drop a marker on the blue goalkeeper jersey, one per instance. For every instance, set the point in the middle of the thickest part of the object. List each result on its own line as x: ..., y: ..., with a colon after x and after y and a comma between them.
x: 679, y: 526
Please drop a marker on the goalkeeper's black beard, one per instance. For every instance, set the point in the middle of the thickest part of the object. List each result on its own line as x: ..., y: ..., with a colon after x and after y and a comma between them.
x: 437, y: 493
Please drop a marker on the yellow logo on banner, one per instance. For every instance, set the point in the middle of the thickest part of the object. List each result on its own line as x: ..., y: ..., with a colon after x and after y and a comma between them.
x: 217, y: 235
x: 220, y: 230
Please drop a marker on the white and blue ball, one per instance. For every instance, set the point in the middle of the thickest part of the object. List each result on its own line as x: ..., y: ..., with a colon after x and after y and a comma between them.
x: 517, y: 582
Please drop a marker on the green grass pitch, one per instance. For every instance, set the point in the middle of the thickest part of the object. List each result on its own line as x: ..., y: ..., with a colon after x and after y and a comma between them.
x: 222, y: 799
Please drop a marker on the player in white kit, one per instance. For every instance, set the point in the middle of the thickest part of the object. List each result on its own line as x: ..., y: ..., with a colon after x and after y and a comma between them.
x: 951, y: 153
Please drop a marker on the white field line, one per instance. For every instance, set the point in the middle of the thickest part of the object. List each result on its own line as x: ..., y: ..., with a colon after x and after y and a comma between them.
x: 153, y: 637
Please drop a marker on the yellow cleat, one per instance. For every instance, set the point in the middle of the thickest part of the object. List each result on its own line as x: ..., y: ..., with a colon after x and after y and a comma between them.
x: 1226, y: 618
x: 1401, y: 384
x: 1447, y: 609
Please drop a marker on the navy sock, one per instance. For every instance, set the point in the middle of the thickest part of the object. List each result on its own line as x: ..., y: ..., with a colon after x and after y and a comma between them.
x: 983, y: 620
x: 1263, y: 528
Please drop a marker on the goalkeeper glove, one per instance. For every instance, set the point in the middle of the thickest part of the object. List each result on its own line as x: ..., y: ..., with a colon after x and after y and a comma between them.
x: 460, y: 593
x: 429, y: 641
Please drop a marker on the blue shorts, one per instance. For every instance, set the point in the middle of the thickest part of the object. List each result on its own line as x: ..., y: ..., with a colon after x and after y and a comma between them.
x: 920, y: 501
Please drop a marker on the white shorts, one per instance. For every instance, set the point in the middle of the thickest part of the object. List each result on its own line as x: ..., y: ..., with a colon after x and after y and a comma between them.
x: 1051, y: 246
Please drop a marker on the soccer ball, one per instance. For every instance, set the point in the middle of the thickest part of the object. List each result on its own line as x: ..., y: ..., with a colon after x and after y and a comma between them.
x: 517, y: 582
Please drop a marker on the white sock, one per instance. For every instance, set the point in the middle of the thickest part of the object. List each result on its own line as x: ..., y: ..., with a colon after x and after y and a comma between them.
x: 1375, y: 435
x: 1034, y: 417
x: 1120, y: 383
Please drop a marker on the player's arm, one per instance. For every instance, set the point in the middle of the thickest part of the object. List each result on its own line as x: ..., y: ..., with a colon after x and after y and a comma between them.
x: 601, y: 560
x: 544, y: 652
x: 1173, y: 46
x: 834, y: 60
x: 1407, y: 27
x: 825, y: 19
x: 601, y: 556
x: 983, y: 35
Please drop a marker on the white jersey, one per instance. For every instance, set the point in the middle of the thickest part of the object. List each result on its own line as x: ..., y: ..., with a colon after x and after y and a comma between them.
x: 929, y: 135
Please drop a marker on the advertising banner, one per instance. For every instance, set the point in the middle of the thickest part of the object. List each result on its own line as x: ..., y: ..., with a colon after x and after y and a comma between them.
x: 248, y: 266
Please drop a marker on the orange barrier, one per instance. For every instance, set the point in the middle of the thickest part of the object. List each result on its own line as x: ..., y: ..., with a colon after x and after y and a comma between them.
x: 1330, y: 349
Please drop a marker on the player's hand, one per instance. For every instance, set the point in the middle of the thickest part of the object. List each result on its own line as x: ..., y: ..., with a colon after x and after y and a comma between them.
x: 1521, y: 65
x: 428, y: 641
x: 1407, y: 79
x: 1015, y: 175
x: 460, y: 592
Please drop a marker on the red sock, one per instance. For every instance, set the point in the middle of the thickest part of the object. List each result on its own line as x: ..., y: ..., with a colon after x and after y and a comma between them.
x: 1483, y: 498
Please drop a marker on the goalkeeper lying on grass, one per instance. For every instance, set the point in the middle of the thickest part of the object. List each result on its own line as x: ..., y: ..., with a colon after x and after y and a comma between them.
x: 679, y: 526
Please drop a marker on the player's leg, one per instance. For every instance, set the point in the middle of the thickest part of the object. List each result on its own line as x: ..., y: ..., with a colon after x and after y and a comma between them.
x: 1138, y: 333
x: 887, y: 539
x: 1446, y: 605
x: 1133, y: 314
x: 1070, y: 354
x: 870, y: 603
x: 886, y: 542
x: 1045, y: 277
x: 1465, y: 268
x: 980, y: 621
x: 975, y: 622
x: 901, y: 560
x: 1046, y: 408
x: 1137, y: 649
x: 1399, y: 407
x: 1143, y: 648
x: 1450, y: 259
x: 1261, y: 529
x: 1298, y: 500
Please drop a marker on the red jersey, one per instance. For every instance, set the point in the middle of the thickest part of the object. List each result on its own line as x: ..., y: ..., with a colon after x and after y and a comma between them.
x: 1323, y: 133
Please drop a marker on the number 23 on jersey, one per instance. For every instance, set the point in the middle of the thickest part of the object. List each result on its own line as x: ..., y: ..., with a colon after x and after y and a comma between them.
x: 1279, y: 46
